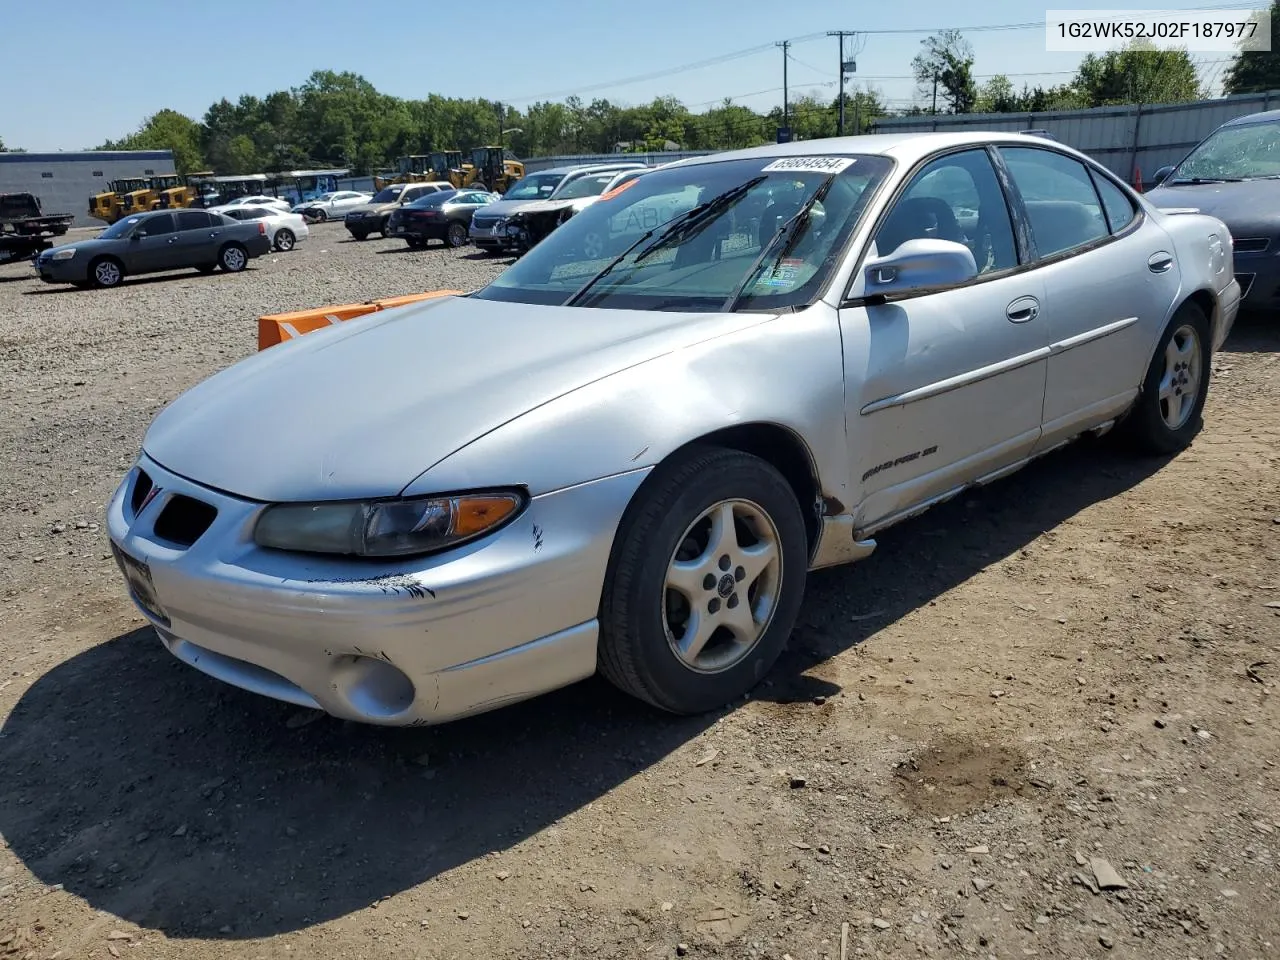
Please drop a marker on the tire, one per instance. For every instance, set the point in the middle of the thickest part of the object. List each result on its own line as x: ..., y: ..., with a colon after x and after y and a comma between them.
x: 644, y: 618
x: 284, y: 240
x: 382, y: 230
x: 361, y: 235
x: 207, y: 267
x: 106, y: 272
x: 320, y: 215
x: 457, y: 235
x: 233, y: 258
x: 1169, y: 410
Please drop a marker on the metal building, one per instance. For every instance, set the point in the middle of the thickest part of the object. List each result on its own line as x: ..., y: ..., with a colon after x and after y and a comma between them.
x: 65, y: 181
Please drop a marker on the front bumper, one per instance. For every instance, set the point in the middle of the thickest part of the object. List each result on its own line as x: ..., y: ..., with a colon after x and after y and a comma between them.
x: 394, y: 643
x: 491, y: 238
x: 60, y: 271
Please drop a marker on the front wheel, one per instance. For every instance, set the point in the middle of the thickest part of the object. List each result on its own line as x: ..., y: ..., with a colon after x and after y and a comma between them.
x: 1169, y: 410
x: 360, y: 234
x: 705, y: 581
x: 285, y: 240
x: 320, y: 215
x: 233, y: 258
x: 106, y: 272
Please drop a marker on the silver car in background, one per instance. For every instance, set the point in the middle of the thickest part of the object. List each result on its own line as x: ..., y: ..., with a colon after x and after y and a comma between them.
x: 489, y: 227
x: 630, y: 462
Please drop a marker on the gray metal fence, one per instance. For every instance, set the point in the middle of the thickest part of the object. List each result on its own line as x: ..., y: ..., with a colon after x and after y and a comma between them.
x: 534, y: 164
x: 1144, y: 137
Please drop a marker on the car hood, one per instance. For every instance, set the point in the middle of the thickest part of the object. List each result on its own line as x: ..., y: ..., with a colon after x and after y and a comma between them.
x: 553, y: 206
x: 505, y: 208
x: 362, y: 408
x: 1246, y: 208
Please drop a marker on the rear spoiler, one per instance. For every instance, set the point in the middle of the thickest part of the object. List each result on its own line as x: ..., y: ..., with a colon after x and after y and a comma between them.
x: 1173, y: 211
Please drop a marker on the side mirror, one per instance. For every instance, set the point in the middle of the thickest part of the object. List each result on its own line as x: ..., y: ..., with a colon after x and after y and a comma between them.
x: 919, y: 265
x: 135, y: 237
x: 1162, y: 174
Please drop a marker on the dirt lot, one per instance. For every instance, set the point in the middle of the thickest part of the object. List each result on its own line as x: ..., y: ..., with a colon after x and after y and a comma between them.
x: 1065, y: 679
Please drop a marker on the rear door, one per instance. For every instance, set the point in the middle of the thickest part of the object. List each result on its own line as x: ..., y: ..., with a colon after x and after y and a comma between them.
x: 1109, y: 275
x: 197, y: 240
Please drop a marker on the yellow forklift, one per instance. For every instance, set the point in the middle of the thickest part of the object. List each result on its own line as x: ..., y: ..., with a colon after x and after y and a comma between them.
x: 109, y: 205
x: 178, y: 191
x: 415, y: 168
x: 493, y: 168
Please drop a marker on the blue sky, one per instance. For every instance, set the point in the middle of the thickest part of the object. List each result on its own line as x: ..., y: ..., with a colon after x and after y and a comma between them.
x: 84, y: 89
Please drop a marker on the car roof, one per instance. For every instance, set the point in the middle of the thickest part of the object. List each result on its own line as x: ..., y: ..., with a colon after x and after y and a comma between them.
x: 588, y: 167
x: 906, y: 147
x: 1267, y: 116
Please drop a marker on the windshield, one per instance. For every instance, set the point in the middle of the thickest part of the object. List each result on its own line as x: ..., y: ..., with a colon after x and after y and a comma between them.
x: 537, y: 186
x: 591, y: 185
x: 1234, y: 153
x: 387, y: 194
x: 725, y: 253
x: 436, y: 199
x: 120, y: 228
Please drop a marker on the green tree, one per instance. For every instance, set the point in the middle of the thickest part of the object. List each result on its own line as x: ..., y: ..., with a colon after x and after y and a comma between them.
x: 997, y: 96
x: 946, y: 59
x: 1257, y: 71
x: 166, y: 130
x: 1139, y: 73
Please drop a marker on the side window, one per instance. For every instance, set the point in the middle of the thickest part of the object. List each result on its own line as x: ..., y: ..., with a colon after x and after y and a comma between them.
x: 1058, y: 193
x: 192, y: 220
x: 1118, y: 206
x: 233, y: 213
x: 957, y: 198
x: 155, y: 226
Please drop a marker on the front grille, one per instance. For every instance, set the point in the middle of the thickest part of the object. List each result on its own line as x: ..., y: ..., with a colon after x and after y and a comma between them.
x: 141, y: 487
x: 184, y: 519
x: 485, y: 223
x: 1252, y: 245
x: 1246, y: 281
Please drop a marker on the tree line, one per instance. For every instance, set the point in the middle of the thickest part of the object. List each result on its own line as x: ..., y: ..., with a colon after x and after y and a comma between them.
x: 342, y: 120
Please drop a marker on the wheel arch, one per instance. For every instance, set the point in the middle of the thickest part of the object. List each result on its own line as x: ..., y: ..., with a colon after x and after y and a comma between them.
x: 1206, y: 301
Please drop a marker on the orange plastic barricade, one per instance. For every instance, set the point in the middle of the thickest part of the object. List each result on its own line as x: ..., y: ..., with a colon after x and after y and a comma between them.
x: 278, y: 327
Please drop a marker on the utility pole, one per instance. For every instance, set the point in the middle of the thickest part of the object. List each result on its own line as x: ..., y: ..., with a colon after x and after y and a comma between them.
x: 786, y: 109
x: 935, y: 94
x: 846, y: 67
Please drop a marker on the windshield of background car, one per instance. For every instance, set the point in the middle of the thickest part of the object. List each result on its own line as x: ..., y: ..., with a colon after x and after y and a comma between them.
x: 592, y: 185
x: 120, y: 228
x: 537, y: 186
x: 1234, y: 153
x: 707, y: 261
x: 388, y: 194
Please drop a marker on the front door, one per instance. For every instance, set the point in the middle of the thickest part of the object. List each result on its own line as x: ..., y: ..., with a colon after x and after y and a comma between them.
x: 152, y: 246
x: 1109, y: 275
x: 946, y: 387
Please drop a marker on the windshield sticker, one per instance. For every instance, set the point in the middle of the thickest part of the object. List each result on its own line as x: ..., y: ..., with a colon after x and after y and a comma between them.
x: 784, y: 276
x: 809, y: 165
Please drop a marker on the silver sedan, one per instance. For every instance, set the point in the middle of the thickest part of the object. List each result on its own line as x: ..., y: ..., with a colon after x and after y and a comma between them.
x: 629, y: 463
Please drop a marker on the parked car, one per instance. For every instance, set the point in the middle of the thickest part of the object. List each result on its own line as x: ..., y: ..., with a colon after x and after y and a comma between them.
x: 629, y: 464
x: 155, y: 241
x: 286, y: 230
x: 1234, y: 175
x: 532, y: 221
x: 489, y: 228
x: 372, y: 217
x: 332, y: 206
x: 260, y: 200
x: 444, y: 215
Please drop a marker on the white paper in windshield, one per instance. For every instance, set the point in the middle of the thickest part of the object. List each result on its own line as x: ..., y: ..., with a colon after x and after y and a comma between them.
x: 809, y: 165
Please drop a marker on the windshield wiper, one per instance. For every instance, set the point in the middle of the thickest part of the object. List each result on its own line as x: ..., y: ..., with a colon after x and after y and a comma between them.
x: 1199, y: 180
x: 702, y: 213
x: 793, y: 229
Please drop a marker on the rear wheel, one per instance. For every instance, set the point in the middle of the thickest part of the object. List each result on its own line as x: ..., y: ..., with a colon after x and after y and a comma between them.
x: 1169, y: 410
x: 456, y: 235
x: 705, y: 581
x: 285, y: 240
x: 106, y: 272
x: 233, y: 258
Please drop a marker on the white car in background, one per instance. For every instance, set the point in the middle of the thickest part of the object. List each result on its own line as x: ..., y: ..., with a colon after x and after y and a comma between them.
x: 285, y: 229
x: 332, y: 206
x: 258, y: 201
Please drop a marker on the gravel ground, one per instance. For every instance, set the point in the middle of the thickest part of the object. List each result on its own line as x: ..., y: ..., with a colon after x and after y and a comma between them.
x: 1040, y: 721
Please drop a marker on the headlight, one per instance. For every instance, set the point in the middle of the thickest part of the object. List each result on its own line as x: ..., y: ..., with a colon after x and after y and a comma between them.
x: 386, y: 528
x: 66, y: 254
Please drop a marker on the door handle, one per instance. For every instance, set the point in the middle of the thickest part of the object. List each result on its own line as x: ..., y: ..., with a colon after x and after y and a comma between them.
x: 1022, y: 310
x: 1160, y: 262
x: 172, y: 240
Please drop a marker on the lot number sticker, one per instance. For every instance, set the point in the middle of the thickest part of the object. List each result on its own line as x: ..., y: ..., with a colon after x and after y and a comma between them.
x: 810, y: 165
